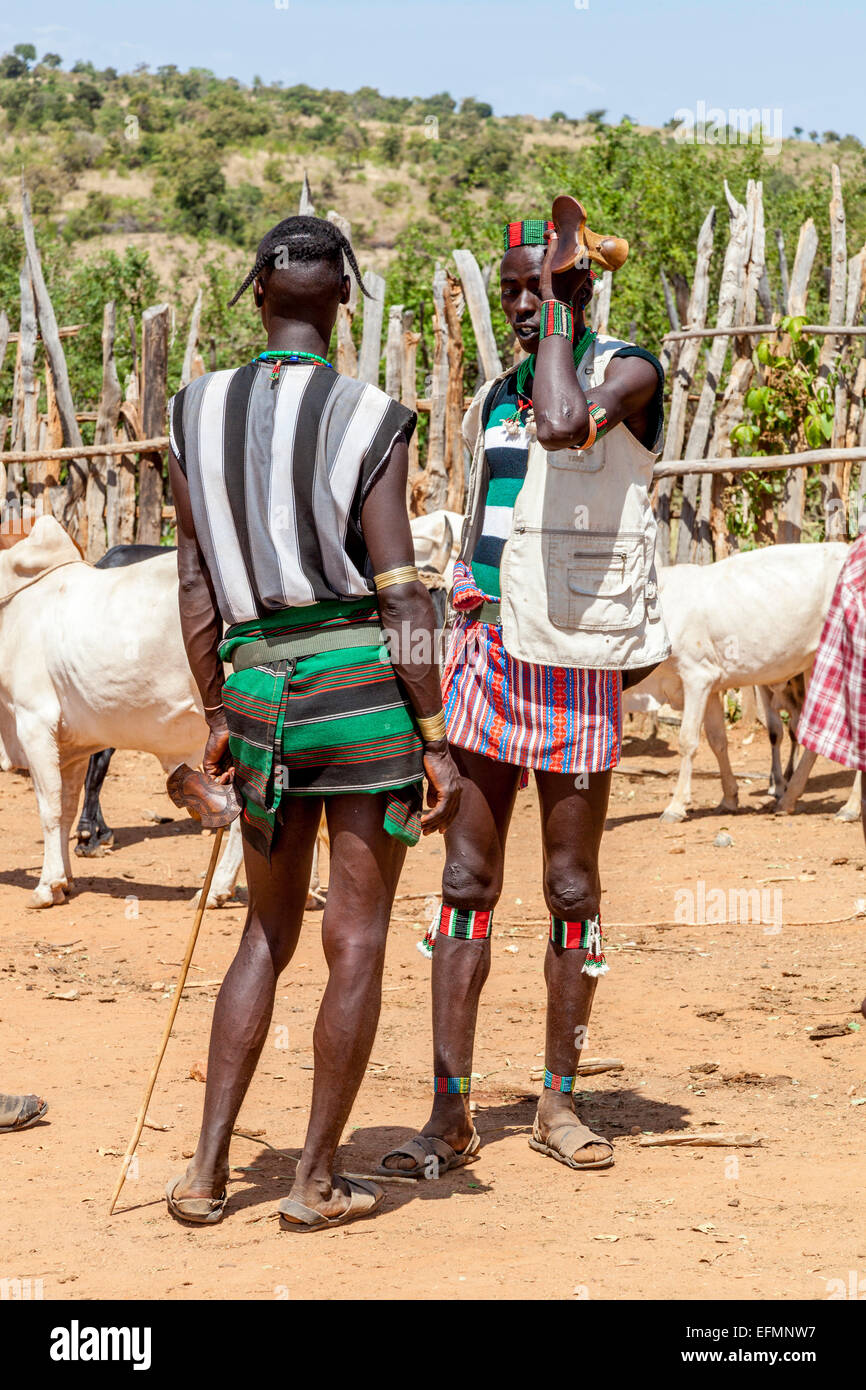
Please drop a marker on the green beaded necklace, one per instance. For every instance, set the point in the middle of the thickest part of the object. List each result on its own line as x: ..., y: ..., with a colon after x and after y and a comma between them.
x: 277, y: 357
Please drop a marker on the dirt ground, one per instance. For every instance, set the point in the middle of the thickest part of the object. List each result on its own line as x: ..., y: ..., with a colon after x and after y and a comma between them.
x: 710, y: 1021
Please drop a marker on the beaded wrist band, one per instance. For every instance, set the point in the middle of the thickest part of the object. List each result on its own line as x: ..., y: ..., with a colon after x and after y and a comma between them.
x: 599, y: 415
x: 404, y: 574
x: 557, y: 320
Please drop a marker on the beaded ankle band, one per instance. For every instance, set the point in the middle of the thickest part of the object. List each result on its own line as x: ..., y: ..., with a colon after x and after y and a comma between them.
x: 552, y: 1082
x: 451, y: 1085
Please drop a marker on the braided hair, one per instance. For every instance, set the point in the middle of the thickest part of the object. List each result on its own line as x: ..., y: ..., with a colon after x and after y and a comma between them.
x: 302, y: 239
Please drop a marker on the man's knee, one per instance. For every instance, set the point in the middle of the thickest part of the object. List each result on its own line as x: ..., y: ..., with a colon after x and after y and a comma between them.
x: 571, y: 891
x: 470, y: 884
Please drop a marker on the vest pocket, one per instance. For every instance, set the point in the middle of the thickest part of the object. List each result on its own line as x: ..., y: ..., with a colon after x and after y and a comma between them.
x: 595, y: 581
x: 576, y: 460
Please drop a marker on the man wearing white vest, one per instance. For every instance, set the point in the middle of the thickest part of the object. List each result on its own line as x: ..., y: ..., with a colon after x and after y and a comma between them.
x: 555, y: 602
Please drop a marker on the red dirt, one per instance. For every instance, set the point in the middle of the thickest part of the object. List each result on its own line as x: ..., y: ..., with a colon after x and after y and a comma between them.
x: 775, y: 1221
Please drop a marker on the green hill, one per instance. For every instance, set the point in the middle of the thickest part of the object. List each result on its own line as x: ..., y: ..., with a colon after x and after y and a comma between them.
x: 146, y: 185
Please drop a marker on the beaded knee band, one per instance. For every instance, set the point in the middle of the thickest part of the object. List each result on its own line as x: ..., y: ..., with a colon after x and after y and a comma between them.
x: 581, y: 936
x: 461, y: 924
x: 465, y: 924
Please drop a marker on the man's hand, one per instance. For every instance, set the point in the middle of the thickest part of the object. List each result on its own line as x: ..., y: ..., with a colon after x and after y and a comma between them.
x: 443, y: 788
x: 217, y: 760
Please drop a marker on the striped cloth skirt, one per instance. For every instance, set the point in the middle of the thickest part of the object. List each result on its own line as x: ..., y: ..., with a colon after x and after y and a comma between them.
x: 549, y: 718
x: 325, y: 725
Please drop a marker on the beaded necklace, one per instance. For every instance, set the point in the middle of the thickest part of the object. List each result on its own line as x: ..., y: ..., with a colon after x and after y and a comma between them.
x: 277, y: 357
x: 527, y: 370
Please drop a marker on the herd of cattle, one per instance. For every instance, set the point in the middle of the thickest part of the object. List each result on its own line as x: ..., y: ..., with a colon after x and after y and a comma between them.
x: 92, y: 659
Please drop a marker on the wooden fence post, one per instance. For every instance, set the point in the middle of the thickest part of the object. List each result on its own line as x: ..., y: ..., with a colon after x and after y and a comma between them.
x: 305, y: 204
x: 29, y: 381
x: 106, y: 420
x: 601, y: 302
x: 4, y: 341
x: 409, y: 398
x: 120, y: 487
x: 794, y: 494
x: 154, y: 369
x: 434, y: 489
x: 682, y: 382
x: 190, y: 356
x: 453, y: 297
x: 347, y: 356
x: 479, y: 312
x: 394, y: 352
x: 730, y: 412
x: 73, y: 510
x: 835, y: 527
x: 371, y: 329
x: 730, y: 298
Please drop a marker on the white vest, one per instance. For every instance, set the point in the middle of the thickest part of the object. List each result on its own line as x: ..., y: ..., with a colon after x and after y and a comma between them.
x: 578, y: 579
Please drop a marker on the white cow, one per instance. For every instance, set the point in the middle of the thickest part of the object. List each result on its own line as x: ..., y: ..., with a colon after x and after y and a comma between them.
x: 789, y: 789
x: 94, y: 658
x: 752, y: 619
x: 91, y: 659
x: 436, y: 541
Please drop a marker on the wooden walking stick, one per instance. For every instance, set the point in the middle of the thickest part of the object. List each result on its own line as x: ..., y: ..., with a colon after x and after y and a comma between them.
x: 191, y: 790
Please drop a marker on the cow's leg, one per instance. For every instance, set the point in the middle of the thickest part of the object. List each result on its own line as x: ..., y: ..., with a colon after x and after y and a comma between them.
x: 94, y: 836
x: 694, y: 704
x: 776, y: 731
x: 225, y: 874
x: 714, y: 723
x: 72, y: 780
x: 40, y: 750
x: 851, y: 809
x: 797, y: 784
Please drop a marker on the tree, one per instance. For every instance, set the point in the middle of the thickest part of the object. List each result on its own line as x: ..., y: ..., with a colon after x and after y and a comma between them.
x: 798, y: 131
x: 813, y: 136
x: 832, y: 137
x: 12, y: 66
x: 596, y: 117
x: 391, y: 145
x: 559, y: 116
x: 26, y: 52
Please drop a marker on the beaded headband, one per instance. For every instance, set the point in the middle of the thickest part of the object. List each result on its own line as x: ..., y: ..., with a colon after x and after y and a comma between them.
x: 532, y: 231
x: 527, y: 233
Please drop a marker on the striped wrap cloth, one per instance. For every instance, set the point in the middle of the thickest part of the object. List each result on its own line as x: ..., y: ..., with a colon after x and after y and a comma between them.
x: 323, y: 725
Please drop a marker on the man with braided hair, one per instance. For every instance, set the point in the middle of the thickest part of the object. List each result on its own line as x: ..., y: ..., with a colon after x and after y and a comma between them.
x: 290, y: 487
x: 555, y: 599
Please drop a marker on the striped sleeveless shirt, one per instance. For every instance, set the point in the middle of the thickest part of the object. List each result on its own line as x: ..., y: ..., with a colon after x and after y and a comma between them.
x: 278, y: 472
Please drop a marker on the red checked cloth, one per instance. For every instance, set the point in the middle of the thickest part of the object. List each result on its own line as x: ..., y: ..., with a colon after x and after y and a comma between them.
x: 833, y: 722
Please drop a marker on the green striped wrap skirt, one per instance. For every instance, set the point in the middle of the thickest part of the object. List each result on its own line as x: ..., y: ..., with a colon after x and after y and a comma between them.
x: 330, y: 724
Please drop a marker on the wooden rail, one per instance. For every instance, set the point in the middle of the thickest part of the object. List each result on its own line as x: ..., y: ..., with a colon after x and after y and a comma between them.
x: 88, y: 451
x: 751, y: 330
x: 674, y: 467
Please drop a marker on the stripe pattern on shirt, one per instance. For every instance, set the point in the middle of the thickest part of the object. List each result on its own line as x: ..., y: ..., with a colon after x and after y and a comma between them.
x: 278, y: 473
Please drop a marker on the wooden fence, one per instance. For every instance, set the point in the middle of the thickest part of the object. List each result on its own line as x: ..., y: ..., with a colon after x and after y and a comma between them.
x: 113, y: 489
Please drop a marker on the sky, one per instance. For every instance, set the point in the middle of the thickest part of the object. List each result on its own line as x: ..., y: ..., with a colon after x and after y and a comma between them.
x: 644, y: 58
